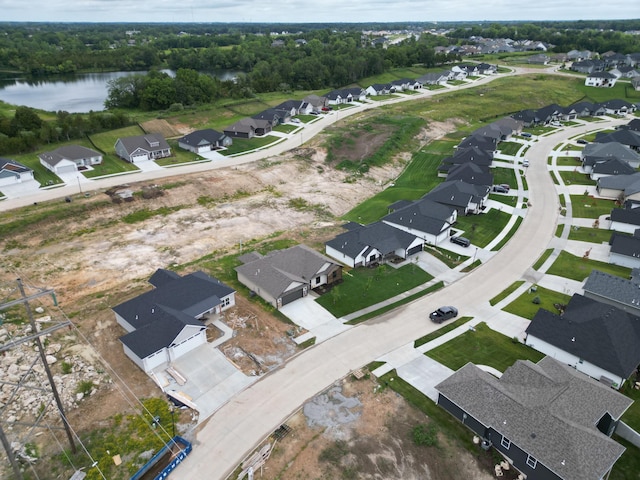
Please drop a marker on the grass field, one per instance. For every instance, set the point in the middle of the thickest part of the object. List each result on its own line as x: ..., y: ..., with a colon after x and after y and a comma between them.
x: 584, y: 206
x: 105, y: 141
x: 593, y: 235
x: 110, y: 165
x: 483, y: 346
x: 482, y: 229
x: 576, y: 178
x: 577, y: 268
x: 509, y: 148
x: 419, y: 177
x: 363, y: 287
x: 525, y: 307
x: 40, y: 174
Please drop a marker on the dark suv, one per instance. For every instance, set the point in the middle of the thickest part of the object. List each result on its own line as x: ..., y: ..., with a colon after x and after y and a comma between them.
x: 443, y: 313
x: 462, y: 241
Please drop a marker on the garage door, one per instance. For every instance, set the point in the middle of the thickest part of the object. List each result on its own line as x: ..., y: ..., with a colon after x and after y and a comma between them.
x: 139, y: 158
x: 414, y: 250
x: 66, y: 169
x: 291, y: 297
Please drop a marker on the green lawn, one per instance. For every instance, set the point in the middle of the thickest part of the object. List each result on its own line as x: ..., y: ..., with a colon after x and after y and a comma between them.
x: 363, y: 287
x: 576, y: 178
x: 447, y: 327
x: 504, y: 175
x: 543, y: 258
x: 110, y: 165
x: 105, y: 141
x: 525, y: 307
x: 241, y: 145
x: 506, y: 292
x: 285, y: 128
x: 509, y: 148
x: 41, y: 174
x: 593, y: 235
x: 418, y: 178
x: 568, y: 161
x: 584, y: 206
x: 577, y: 268
x: 482, y: 229
x: 483, y: 346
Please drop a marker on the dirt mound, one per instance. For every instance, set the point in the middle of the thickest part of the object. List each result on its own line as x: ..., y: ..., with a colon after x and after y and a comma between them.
x: 162, y: 127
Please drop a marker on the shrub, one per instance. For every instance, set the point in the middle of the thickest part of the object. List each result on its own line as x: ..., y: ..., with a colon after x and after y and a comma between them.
x: 66, y: 368
x: 424, y: 435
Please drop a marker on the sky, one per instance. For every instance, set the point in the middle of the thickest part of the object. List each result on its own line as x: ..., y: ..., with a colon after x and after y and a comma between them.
x: 311, y: 11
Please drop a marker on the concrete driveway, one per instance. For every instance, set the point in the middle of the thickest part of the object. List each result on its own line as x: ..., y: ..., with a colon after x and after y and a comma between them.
x: 233, y: 430
x: 308, y: 314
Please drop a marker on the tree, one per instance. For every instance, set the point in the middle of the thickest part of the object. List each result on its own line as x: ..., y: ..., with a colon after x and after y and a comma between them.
x: 25, y: 119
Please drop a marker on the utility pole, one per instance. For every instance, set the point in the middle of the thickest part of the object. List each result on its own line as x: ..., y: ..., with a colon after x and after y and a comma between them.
x: 43, y: 357
x: 12, y: 458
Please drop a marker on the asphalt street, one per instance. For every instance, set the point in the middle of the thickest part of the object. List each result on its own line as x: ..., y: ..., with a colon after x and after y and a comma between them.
x: 234, y: 430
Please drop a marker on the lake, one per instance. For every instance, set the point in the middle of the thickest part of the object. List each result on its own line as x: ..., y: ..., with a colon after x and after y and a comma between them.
x: 75, y: 94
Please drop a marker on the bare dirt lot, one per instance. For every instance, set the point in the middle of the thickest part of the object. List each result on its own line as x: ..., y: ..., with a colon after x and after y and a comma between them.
x: 105, y: 255
x: 355, y: 429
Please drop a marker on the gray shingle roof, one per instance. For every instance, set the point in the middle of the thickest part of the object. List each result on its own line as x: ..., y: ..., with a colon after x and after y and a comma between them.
x: 547, y: 409
x: 599, y: 333
x: 613, y: 166
x: 145, y: 142
x: 457, y: 193
x: 182, y: 298
x: 610, y: 150
x: 276, y: 271
x: 67, y: 152
x: 379, y: 235
x: 615, y: 288
x: 423, y: 215
x: 207, y: 136
x: 625, y: 245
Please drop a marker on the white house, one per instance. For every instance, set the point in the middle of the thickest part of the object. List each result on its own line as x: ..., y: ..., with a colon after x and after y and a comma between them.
x: 69, y: 159
x: 12, y: 172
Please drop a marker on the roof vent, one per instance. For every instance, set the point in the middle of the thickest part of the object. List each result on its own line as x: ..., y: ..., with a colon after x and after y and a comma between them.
x: 573, y: 339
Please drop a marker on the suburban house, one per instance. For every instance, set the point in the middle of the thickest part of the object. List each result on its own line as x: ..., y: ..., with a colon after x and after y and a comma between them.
x: 294, y: 107
x: 425, y: 219
x: 243, y: 128
x: 539, y: 59
x: 625, y: 220
x: 625, y: 249
x: 599, y: 152
x: 12, y: 172
x: 617, y: 106
x: 547, y: 420
x: 464, y: 197
x: 166, y: 322
x: 487, y: 144
x: 635, y: 83
x: 622, y: 293
x: 346, y: 95
x: 283, y: 276
x: 612, y: 166
x: 69, y: 159
x: 630, y: 138
x: 619, y: 187
x: 470, y: 173
x: 463, y: 155
x: 600, y: 79
x: 439, y: 78
x: 363, y: 245
x: 595, y: 338
x: 316, y: 103
x: 204, y: 141
x: 150, y: 146
x: 274, y: 117
x: 379, y: 89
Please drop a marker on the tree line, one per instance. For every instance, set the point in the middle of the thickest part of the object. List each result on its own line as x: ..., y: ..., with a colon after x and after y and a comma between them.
x: 26, y: 131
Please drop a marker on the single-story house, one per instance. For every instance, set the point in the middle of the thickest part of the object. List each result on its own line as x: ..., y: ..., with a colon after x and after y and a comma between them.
x: 625, y: 249
x: 346, y: 95
x: 595, y: 338
x: 316, y: 103
x: 165, y: 323
x: 379, y: 89
x: 12, y: 172
x: 470, y: 173
x: 622, y: 293
x: 140, y: 148
x: 539, y: 59
x: 464, y: 197
x: 69, y: 158
x: 547, y: 420
x: 243, y: 128
x: 438, y: 78
x: 611, y: 166
x: 204, y: 141
x: 362, y: 245
x: 283, y: 276
x: 625, y: 220
x: 474, y: 155
x: 630, y: 138
x: 600, y: 79
x: 619, y: 187
x: 599, y: 152
x: 617, y: 106
x: 425, y: 219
